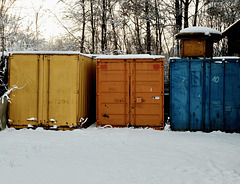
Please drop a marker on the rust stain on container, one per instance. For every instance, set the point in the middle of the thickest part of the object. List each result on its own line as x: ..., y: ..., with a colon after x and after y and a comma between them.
x: 130, y: 91
x: 58, y: 92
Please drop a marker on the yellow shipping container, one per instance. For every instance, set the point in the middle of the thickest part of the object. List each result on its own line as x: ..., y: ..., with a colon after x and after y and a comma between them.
x: 57, y: 90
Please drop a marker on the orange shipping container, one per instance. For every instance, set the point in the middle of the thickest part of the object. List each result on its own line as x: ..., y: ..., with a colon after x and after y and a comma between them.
x: 130, y: 90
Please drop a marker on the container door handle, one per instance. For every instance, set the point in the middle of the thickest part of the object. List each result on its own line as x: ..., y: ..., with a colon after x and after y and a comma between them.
x: 139, y: 100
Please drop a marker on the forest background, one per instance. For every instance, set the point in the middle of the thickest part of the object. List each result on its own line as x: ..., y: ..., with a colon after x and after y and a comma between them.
x: 113, y: 26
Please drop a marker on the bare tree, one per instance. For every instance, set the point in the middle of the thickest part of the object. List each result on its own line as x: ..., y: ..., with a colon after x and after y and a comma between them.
x: 113, y: 23
x: 195, y: 14
x: 148, y: 38
x: 186, y: 4
x: 37, y: 17
x: 5, y: 6
x: 83, y: 26
x: 4, y: 17
x: 104, y: 27
x: 75, y: 13
x: 92, y: 26
x: 140, y: 26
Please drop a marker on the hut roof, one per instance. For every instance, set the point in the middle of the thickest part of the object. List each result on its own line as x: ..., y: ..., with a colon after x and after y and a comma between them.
x: 230, y: 29
x: 199, y: 32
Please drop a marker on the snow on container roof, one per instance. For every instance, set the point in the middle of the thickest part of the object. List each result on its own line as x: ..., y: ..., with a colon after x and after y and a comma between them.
x: 205, y: 30
x: 199, y: 32
x: 49, y: 52
x: 227, y: 57
x: 130, y: 56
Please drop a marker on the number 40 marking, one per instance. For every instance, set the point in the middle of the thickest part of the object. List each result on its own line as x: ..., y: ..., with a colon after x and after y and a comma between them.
x: 216, y: 79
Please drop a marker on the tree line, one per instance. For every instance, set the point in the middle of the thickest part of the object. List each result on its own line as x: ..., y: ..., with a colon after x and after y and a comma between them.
x: 120, y: 26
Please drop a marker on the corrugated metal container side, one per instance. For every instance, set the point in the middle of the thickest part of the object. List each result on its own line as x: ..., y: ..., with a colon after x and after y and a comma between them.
x: 205, y: 94
x: 130, y: 91
x: 232, y: 96
x: 56, y: 90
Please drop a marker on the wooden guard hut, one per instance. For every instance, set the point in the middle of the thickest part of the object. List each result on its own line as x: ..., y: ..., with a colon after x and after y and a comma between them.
x: 233, y: 35
x: 198, y: 41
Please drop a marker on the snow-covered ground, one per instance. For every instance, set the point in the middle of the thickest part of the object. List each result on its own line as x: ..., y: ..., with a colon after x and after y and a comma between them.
x: 118, y: 156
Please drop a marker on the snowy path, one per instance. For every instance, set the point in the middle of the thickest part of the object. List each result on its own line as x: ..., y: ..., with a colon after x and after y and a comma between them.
x: 118, y: 156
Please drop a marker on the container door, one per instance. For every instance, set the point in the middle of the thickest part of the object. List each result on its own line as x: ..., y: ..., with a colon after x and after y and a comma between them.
x: 63, y: 90
x: 179, y: 94
x: 113, y: 92
x: 24, y: 73
x: 232, y: 96
x: 196, y: 95
x: 216, y: 95
x: 147, y: 93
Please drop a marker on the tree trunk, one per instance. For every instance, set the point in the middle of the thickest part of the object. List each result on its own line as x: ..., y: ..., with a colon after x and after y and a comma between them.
x: 160, y: 40
x: 113, y: 29
x: 93, y: 28
x: 178, y: 10
x: 157, y: 41
x: 104, y: 29
x: 148, y: 27
x: 139, y: 44
x: 83, y: 27
x: 2, y: 32
x: 156, y: 26
x: 195, y: 14
x: 125, y: 40
x: 36, y: 22
x: 186, y: 7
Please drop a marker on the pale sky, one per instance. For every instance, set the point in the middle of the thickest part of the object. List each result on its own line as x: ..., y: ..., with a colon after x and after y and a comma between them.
x: 48, y: 24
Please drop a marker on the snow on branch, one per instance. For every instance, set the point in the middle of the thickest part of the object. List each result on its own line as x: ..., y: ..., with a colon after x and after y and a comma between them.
x: 7, y: 93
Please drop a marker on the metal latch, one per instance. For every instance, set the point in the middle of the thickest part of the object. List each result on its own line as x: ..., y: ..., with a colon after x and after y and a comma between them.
x: 139, y: 100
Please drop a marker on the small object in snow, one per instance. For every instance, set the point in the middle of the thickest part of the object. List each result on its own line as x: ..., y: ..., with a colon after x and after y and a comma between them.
x: 30, y: 126
x: 167, y: 127
x: 107, y: 126
x: 54, y: 127
x: 82, y: 122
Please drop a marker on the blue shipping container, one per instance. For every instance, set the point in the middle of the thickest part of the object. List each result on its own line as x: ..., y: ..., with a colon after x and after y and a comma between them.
x: 205, y: 94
